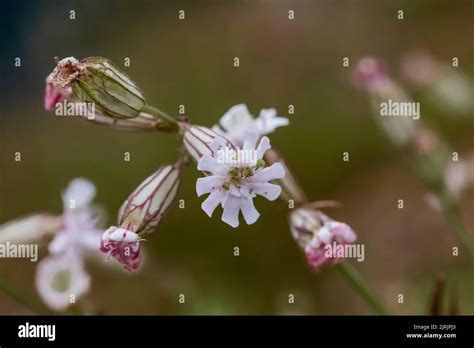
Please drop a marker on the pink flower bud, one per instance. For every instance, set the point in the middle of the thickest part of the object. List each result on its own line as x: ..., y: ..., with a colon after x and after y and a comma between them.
x: 370, y: 74
x: 316, y: 232
x: 123, y: 245
x: 54, y: 94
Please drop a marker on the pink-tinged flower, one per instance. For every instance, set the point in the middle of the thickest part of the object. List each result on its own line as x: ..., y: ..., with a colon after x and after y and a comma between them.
x: 61, y: 280
x: 238, y: 120
x: 54, y: 93
x: 234, y: 185
x: 123, y: 245
x: 315, y: 232
x: 370, y: 74
x: 61, y: 276
x: 140, y: 214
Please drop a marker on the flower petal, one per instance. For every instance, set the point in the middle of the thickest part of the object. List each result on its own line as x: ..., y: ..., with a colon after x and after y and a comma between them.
x: 207, y: 184
x: 212, y: 165
x: 80, y: 192
x: 268, y: 121
x: 212, y: 201
x: 59, y: 277
x: 267, y: 190
x: 237, y: 118
x: 248, y: 210
x: 263, y: 147
x: 231, y: 211
x: 250, y: 141
x: 275, y: 171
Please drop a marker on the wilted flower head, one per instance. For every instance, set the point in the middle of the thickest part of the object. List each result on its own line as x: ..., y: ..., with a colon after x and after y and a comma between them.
x: 238, y: 120
x: 234, y: 185
x: 123, y: 245
x: 97, y: 80
x: 314, y: 231
x: 62, y: 273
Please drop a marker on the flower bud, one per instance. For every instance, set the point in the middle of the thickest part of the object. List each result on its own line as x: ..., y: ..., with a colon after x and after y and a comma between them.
x: 144, y: 208
x: 97, y: 80
x: 196, y: 140
x: 314, y: 232
x: 122, y: 245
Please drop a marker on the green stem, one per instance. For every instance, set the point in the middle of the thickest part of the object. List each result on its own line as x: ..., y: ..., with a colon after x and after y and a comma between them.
x: 454, y: 221
x: 170, y: 121
x: 22, y: 297
x: 359, y: 284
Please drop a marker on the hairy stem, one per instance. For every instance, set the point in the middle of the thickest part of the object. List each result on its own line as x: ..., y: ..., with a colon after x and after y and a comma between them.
x: 359, y: 284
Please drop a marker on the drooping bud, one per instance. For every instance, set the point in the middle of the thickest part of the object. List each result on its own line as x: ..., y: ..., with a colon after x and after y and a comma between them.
x: 97, y: 80
x: 123, y: 245
x: 384, y: 94
x: 145, y: 207
x: 315, y: 233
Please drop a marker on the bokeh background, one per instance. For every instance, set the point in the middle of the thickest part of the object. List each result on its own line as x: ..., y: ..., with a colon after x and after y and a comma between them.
x: 282, y: 62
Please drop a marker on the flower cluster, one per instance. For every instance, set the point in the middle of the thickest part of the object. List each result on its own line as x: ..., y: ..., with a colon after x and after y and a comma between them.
x: 229, y: 181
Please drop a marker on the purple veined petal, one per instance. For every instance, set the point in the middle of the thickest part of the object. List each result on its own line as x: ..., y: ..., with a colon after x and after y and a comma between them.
x: 248, y: 210
x: 212, y: 201
x: 231, y: 211
x: 59, y: 277
x: 210, y: 164
x: 207, y: 184
x: 275, y: 171
x: 267, y: 190
x: 263, y: 147
x: 80, y: 192
x: 250, y: 141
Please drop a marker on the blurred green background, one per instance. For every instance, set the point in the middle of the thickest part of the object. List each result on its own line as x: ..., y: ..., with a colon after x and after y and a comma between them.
x: 282, y: 62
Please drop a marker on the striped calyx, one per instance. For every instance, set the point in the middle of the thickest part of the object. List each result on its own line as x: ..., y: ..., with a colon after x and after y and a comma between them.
x: 196, y: 140
x: 143, y: 209
x: 97, y: 80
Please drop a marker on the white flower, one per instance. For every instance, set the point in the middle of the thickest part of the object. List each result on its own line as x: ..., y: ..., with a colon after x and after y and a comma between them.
x: 238, y: 120
x: 62, y: 275
x: 234, y: 186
